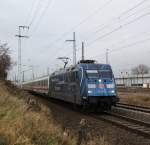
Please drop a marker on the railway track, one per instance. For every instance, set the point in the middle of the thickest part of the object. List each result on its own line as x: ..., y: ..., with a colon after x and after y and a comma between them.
x: 134, y: 107
x: 132, y: 125
x: 139, y: 127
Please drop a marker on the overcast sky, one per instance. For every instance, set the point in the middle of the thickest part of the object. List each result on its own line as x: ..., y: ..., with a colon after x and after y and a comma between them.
x: 122, y: 26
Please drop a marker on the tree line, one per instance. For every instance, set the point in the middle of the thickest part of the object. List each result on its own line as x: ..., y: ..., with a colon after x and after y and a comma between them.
x: 141, y: 69
x: 5, y: 61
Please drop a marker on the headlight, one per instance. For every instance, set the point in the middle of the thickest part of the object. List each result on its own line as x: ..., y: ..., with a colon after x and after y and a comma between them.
x: 112, y: 91
x: 100, y: 81
x: 89, y: 91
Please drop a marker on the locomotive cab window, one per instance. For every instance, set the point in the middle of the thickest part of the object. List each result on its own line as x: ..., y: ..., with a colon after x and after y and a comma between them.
x: 105, y: 71
x: 92, y: 73
x: 106, y: 74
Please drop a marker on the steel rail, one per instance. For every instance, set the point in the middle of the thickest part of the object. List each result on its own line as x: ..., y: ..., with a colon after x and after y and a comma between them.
x: 134, y: 107
x: 139, y: 127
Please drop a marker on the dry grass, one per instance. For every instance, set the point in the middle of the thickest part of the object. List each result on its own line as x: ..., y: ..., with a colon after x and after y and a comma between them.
x: 142, y: 99
x: 98, y: 141
x: 22, y: 124
x: 23, y: 121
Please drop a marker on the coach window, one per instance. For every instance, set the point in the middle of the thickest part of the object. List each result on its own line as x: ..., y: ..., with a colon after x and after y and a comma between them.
x: 77, y: 76
x: 61, y: 77
x: 70, y: 76
x: 73, y: 76
x: 46, y: 83
x: 67, y: 77
x: 43, y: 82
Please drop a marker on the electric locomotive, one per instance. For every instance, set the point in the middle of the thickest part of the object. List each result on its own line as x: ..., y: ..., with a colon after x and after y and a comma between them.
x: 87, y: 84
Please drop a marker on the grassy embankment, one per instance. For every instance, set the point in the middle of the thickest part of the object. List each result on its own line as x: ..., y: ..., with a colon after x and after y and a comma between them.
x: 23, y: 121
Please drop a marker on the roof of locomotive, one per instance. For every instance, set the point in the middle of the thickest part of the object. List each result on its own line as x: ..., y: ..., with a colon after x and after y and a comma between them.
x: 92, y: 64
x: 87, y: 64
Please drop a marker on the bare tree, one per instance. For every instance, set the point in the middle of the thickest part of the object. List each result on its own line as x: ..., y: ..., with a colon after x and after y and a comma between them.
x: 141, y: 69
x: 5, y: 61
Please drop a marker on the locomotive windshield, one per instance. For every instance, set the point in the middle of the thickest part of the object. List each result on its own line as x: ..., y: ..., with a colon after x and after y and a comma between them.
x: 105, y: 71
x: 98, y: 71
x: 92, y: 73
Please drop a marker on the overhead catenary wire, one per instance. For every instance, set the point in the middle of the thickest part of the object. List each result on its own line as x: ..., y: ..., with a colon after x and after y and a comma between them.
x: 35, y: 12
x: 129, y: 10
x: 121, y: 15
x: 138, y: 11
x: 145, y: 33
x: 29, y: 15
x: 112, y: 32
x: 49, y: 2
x: 142, y: 34
x: 101, y: 8
x: 123, y: 47
x: 121, y: 26
x: 81, y: 22
x: 118, y: 19
x: 134, y: 7
x: 118, y: 28
x: 119, y: 48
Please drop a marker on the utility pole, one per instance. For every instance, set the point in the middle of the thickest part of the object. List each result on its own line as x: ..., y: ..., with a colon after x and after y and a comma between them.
x: 82, y: 50
x: 74, y: 47
x: 47, y: 70
x: 107, y: 56
x: 19, y: 52
x: 23, y: 74
x: 32, y: 67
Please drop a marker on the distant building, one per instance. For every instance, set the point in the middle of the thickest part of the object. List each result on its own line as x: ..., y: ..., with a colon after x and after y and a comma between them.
x: 133, y: 81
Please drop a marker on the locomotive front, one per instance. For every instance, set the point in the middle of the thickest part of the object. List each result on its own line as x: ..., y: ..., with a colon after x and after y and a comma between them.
x: 98, y: 86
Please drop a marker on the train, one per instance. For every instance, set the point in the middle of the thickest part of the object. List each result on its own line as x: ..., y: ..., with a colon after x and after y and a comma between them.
x: 87, y: 84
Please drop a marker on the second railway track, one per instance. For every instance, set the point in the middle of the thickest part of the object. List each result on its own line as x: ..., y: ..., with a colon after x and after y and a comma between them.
x: 134, y: 107
x: 139, y: 127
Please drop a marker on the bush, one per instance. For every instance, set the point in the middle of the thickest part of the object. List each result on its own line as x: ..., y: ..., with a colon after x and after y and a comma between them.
x: 3, y: 140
